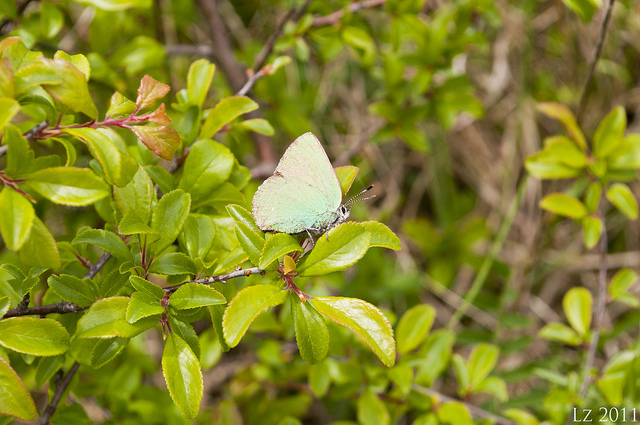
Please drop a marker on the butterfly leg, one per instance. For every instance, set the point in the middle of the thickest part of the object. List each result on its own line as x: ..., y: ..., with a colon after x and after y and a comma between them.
x: 313, y: 243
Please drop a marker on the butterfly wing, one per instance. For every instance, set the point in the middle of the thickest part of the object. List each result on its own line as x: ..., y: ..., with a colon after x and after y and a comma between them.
x: 303, y: 192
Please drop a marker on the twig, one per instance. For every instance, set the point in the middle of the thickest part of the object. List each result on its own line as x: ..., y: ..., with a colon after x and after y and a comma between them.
x: 221, y: 278
x: 292, y: 15
x: 601, y: 302
x: 33, y: 131
x: 58, y: 308
x: 333, y: 18
x: 189, y: 49
x: 483, y: 273
x: 596, y: 56
x: 475, y: 411
x: 60, y: 388
x: 250, y: 82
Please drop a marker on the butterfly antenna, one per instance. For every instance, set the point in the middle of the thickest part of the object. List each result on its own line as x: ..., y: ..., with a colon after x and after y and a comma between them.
x: 357, y: 198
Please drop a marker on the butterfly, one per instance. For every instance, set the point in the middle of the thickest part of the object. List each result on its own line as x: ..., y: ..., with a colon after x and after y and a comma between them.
x: 304, y: 193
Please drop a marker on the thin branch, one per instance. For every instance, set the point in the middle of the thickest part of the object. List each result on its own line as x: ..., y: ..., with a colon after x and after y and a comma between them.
x: 60, y: 389
x: 475, y: 411
x: 221, y: 278
x: 61, y: 307
x: 293, y: 15
x: 189, y: 49
x: 251, y: 81
x: 334, y: 18
x: 598, y: 314
x: 596, y: 56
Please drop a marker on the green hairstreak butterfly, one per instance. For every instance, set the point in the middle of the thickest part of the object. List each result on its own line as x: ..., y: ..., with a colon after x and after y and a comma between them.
x: 304, y: 194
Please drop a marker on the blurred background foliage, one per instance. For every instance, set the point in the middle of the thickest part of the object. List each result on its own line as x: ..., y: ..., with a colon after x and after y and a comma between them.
x: 435, y: 101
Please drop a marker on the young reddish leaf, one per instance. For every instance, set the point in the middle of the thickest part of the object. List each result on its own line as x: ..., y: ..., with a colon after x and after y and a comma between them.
x: 245, y: 306
x: 149, y: 91
x: 16, y: 218
x: 162, y: 140
x: 181, y: 370
x: 14, y: 398
x: 159, y: 116
x: 40, y: 337
x: 365, y: 320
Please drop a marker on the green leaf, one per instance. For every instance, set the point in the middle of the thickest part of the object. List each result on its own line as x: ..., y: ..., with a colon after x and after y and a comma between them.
x: 494, y: 386
x: 217, y: 313
x: 434, y: 355
x: 105, y: 240
x: 120, y: 106
x: 168, y: 218
x: 118, y: 167
x: 565, y: 205
x: 14, y: 398
x: 251, y: 242
x: 461, y: 370
x: 198, y: 235
x: 585, y: 9
x: 173, y: 263
x: 106, y: 350
x: 414, y: 326
x: 16, y: 218
x: 166, y: 182
x: 40, y: 337
x: 5, y: 303
x: 106, y: 318
x: 144, y: 285
x: 371, y: 410
x: 111, y: 284
x: 47, y: 367
x: 40, y: 248
x: 8, y: 109
x: 134, y: 200
x: 482, y: 360
x: 563, y: 114
x: 592, y: 197
x: 621, y: 196
x: 199, y: 80
x: 381, y: 235
x: 257, y: 125
x: 208, y: 165
x: 114, y: 5
x: 245, y: 306
x: 610, y: 133
x: 181, y: 370
x: 21, y: 159
x: 241, y: 215
x: 312, y: 333
x: 72, y: 289
x: 577, y: 307
x: 319, y: 379
x: 161, y: 139
x: 454, y: 413
x: 346, y: 245
x: 277, y: 246
x: 142, y: 305
x: 68, y: 185
x: 365, y: 320
x: 402, y: 377
x: 521, y: 417
x: 194, y: 295
x: 362, y: 42
x: 224, y: 112
x: 591, y: 230
x: 51, y: 19
x: 80, y: 61
x: 62, y: 80
x: 137, y: 55
x: 627, y: 156
x: 621, y: 282
x: 560, y: 333
x: 346, y: 175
